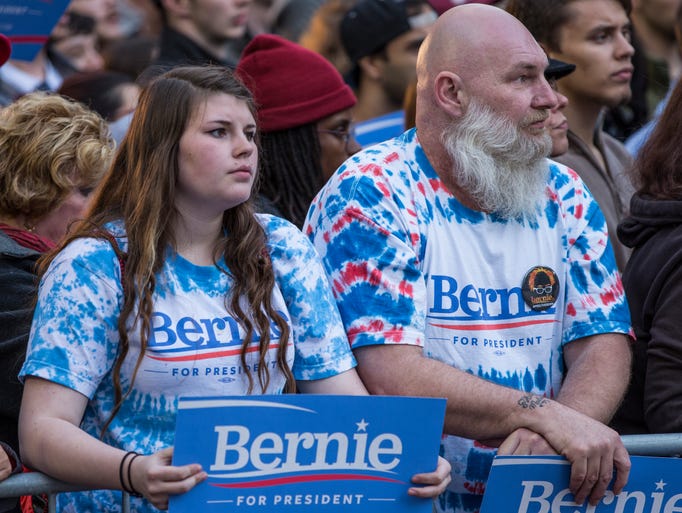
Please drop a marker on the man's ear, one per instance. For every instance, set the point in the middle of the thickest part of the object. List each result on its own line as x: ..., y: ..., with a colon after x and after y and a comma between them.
x: 449, y: 93
x: 371, y: 66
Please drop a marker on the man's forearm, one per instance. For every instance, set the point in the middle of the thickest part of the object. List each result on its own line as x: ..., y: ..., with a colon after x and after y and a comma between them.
x: 476, y: 408
x: 481, y: 410
x: 598, y: 375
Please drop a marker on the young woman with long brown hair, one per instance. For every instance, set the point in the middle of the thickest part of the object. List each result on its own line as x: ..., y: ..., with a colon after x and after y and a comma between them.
x: 172, y: 285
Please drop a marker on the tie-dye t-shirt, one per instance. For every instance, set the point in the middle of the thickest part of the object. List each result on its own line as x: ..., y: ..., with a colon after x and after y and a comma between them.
x: 498, y: 298
x: 194, y: 346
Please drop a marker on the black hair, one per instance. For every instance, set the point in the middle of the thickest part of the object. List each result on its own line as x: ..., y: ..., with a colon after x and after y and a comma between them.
x: 99, y: 90
x: 291, y: 170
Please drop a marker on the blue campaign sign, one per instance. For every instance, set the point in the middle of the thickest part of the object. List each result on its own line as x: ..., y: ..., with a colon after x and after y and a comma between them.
x: 307, y: 453
x: 539, y: 484
x: 27, y: 23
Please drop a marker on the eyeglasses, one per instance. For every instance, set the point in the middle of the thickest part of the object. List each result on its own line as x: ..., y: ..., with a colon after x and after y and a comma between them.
x: 543, y: 290
x: 342, y: 135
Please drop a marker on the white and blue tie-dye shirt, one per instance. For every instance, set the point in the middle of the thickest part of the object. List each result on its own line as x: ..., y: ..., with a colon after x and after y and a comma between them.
x: 498, y: 298
x: 194, y: 347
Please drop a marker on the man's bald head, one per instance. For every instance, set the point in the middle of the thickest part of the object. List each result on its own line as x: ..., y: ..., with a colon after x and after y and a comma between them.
x: 470, y: 39
x: 457, y: 32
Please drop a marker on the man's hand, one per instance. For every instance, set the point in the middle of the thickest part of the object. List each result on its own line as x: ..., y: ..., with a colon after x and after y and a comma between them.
x: 594, y: 450
x: 523, y: 442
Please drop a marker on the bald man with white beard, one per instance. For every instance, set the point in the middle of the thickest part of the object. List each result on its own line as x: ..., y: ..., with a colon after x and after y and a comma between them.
x: 467, y: 265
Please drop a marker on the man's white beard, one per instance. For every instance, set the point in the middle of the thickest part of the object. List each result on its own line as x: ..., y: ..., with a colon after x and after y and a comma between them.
x: 497, y: 164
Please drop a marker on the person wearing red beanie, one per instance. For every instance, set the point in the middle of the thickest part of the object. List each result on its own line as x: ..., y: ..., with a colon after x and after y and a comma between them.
x: 304, y: 115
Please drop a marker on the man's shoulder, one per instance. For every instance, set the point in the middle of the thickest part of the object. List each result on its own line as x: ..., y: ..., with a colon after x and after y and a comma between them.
x: 563, y: 176
x: 615, y: 151
x: 390, y: 165
x: 577, y: 154
x: 176, y: 48
x: 383, y: 178
x: 568, y: 189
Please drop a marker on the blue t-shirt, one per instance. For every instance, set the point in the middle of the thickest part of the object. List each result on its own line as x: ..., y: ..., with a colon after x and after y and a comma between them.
x: 640, y: 136
x: 194, y: 346
x: 380, y: 129
x: 497, y: 298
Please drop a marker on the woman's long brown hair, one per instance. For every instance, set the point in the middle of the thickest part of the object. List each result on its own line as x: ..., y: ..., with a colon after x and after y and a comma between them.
x: 657, y: 170
x: 139, y: 189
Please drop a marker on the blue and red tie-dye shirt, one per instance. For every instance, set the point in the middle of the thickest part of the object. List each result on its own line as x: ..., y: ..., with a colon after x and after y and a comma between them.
x: 499, y: 298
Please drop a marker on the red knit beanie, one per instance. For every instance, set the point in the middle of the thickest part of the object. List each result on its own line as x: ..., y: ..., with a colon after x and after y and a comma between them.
x: 5, y: 49
x: 292, y: 85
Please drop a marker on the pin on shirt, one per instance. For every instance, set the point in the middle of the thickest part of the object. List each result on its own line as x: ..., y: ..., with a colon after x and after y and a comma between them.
x: 540, y: 288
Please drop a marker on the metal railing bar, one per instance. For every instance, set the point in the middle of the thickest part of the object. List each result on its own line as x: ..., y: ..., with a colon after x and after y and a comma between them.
x: 666, y: 444
x: 35, y: 483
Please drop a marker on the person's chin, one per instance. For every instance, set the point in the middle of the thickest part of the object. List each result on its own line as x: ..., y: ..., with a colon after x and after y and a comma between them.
x: 620, y: 96
x: 236, y: 31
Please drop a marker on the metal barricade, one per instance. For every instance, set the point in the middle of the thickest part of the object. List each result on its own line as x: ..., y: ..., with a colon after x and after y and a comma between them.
x: 669, y: 444
x: 35, y: 483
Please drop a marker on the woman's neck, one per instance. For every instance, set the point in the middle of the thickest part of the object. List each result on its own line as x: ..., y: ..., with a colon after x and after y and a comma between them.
x: 18, y: 222
x: 196, y: 239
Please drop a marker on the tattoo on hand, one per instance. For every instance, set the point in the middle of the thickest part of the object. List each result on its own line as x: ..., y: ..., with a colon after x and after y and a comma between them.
x: 532, y: 401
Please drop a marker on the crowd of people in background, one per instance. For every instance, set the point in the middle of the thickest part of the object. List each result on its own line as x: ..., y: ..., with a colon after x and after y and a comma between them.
x: 471, y: 199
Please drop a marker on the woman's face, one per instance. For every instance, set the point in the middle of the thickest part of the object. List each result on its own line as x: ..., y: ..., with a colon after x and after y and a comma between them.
x: 218, y: 158
x: 337, y: 141
x: 55, y: 225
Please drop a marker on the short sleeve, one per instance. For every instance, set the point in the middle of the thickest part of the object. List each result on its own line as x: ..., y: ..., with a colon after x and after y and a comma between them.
x: 74, y: 335
x: 595, y: 298
x: 321, y: 345
x: 367, y: 249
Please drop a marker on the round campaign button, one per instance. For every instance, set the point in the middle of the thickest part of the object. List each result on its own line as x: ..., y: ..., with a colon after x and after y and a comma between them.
x: 540, y: 288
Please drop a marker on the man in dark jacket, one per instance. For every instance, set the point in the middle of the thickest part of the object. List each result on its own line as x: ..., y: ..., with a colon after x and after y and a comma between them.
x: 202, y: 32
